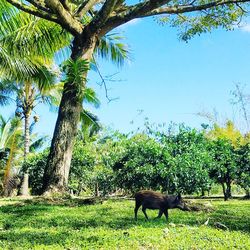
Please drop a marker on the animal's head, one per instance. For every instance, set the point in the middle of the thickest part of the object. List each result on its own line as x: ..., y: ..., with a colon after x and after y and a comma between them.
x: 179, y: 203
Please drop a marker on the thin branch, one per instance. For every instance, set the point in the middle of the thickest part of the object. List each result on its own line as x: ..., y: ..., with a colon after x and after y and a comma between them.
x: 103, y: 83
x: 241, y: 8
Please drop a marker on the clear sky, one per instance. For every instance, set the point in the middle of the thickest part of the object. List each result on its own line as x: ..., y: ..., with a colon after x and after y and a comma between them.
x: 168, y: 79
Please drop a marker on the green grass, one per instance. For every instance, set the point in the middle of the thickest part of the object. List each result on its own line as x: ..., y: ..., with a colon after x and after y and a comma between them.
x: 35, y: 225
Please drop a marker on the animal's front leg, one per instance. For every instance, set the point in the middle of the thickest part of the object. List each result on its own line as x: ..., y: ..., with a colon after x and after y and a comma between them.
x: 144, y: 211
x: 166, y: 213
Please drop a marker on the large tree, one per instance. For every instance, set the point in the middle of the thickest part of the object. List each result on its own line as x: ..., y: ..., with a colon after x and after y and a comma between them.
x: 88, y: 21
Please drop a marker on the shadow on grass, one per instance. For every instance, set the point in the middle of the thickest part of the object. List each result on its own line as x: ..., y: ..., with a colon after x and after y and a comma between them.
x: 65, y: 220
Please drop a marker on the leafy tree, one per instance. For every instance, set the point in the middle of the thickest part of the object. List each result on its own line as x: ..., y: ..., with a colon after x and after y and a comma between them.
x: 224, y: 171
x: 243, y: 170
x: 135, y: 167
x: 186, y: 153
x: 88, y: 21
x: 228, y: 132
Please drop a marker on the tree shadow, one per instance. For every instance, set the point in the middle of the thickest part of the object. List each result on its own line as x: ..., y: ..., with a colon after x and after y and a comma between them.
x: 65, y: 220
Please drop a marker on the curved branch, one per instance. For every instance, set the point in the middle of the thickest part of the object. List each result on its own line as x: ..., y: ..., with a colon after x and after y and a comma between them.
x: 33, y: 11
x: 85, y: 7
x: 190, y: 8
x: 147, y: 9
x: 68, y: 22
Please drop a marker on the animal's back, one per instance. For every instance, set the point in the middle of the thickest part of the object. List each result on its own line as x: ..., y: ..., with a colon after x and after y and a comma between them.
x: 149, y: 198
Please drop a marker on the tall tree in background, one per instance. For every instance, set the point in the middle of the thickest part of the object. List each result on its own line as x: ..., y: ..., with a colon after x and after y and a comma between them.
x: 88, y: 21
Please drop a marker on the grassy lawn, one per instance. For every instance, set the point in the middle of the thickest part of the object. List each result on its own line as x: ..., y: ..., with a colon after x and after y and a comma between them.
x: 36, y: 225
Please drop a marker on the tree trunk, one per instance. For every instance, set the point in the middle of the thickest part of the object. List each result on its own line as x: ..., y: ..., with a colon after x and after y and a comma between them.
x: 228, y: 189
x: 97, y: 194
x: 247, y: 193
x: 24, y: 189
x: 224, y: 192
x: 56, y: 173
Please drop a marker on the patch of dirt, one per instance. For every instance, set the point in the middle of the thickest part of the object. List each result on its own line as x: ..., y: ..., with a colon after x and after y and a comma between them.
x: 191, y: 205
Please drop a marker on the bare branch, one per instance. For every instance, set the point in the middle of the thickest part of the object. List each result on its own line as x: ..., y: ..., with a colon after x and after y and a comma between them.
x: 33, y: 11
x: 85, y: 7
x: 104, y: 13
x: 103, y: 83
x: 65, y: 5
x: 39, y: 6
x: 241, y: 8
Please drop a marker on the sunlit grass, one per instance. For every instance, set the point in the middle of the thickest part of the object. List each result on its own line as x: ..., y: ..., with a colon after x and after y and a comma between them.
x: 111, y: 226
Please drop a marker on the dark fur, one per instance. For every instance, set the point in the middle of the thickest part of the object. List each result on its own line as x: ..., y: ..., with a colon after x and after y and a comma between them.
x: 153, y: 200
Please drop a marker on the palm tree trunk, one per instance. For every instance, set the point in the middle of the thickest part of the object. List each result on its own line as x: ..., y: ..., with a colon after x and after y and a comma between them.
x: 24, y: 190
x: 56, y: 173
x: 6, y: 189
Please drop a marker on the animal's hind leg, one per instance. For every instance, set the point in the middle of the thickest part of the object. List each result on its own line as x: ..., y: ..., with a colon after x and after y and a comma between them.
x: 137, y: 205
x: 144, y: 211
x: 160, y: 214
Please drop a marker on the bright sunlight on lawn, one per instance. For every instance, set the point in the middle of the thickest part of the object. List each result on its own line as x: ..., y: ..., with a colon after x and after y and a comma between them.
x: 40, y: 225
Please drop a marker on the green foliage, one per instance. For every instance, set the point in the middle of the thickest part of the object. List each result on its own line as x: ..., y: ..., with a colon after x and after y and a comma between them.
x: 111, y: 48
x: 243, y: 170
x: 173, y: 163
x: 224, y: 171
x: 228, y: 132
x: 137, y: 164
x: 191, y: 161
x: 27, y: 43
x: 111, y: 225
x: 196, y: 23
x: 181, y: 160
x: 35, y: 164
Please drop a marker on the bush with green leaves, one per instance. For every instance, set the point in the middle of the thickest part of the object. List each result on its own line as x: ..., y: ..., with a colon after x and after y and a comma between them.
x: 88, y: 173
x: 181, y: 160
x: 35, y: 164
x: 176, y: 163
x: 225, y: 168
x: 187, y: 161
x: 243, y: 169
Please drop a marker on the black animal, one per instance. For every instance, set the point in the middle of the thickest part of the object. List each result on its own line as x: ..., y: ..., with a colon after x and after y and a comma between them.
x: 153, y: 200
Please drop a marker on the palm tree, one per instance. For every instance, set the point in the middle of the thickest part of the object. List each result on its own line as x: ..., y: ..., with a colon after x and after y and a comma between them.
x: 18, y: 42
x: 27, y: 95
x: 10, y: 143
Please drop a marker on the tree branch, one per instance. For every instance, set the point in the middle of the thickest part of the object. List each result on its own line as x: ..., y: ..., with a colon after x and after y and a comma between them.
x: 68, y: 22
x: 39, y: 6
x: 104, y: 13
x: 85, y: 7
x: 148, y: 8
x: 34, y: 11
x: 190, y: 8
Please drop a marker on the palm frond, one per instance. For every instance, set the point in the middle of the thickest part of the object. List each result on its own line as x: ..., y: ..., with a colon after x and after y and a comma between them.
x: 90, y: 124
x: 38, y: 144
x: 112, y: 48
x: 90, y: 97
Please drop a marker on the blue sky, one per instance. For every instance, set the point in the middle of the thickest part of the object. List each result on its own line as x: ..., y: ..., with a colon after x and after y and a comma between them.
x: 168, y: 79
